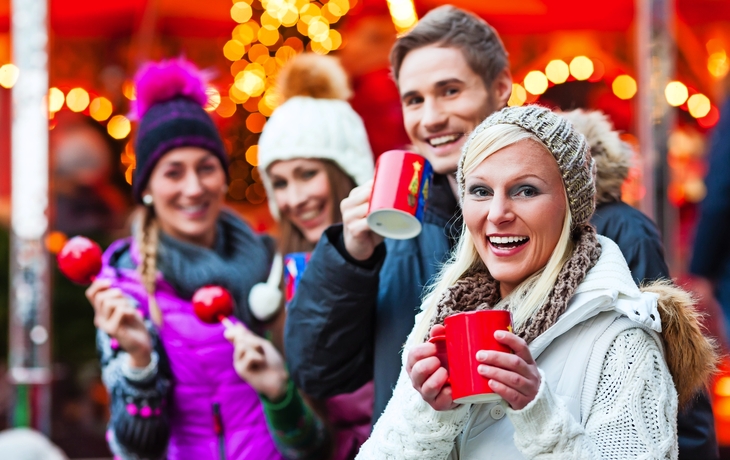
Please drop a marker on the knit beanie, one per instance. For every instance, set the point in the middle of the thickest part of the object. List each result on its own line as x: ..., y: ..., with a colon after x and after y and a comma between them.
x: 169, y: 106
x: 314, y: 122
x: 565, y: 143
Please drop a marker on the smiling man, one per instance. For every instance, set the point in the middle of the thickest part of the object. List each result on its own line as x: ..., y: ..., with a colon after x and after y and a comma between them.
x: 357, y: 300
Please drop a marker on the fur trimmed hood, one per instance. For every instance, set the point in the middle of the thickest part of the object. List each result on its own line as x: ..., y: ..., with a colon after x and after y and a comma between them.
x: 612, y: 155
x: 691, y: 356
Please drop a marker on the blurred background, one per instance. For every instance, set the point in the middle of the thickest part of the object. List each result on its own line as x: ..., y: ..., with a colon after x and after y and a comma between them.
x: 658, y: 68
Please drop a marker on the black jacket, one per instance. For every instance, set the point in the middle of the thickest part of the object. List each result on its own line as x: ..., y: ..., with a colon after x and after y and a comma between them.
x: 640, y: 243
x: 349, y: 320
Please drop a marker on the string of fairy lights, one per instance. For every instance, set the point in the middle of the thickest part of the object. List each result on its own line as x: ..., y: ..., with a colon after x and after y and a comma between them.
x: 624, y: 86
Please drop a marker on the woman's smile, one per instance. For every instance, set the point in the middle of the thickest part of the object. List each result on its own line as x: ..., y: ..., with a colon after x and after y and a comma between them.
x: 507, y: 245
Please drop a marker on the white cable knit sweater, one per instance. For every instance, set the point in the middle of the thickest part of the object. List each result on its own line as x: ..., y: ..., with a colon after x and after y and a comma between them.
x: 632, y: 412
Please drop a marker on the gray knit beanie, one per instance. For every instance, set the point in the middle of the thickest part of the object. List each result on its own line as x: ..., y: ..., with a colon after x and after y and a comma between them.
x: 568, y: 146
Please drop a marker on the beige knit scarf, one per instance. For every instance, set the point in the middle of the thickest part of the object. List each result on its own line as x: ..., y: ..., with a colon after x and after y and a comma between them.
x: 477, y: 290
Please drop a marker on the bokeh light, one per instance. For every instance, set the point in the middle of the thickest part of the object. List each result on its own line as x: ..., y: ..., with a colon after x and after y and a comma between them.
x: 55, y: 241
x: 56, y: 98
x: 255, y: 122
x: 268, y: 35
x: 698, y: 105
x: 100, y: 109
x: 518, y: 96
x: 718, y: 64
x: 252, y: 155
x: 119, y: 127
x: 9, y: 75
x: 557, y: 71
x: 244, y: 33
x: 129, y: 91
x: 214, y: 99
x: 233, y: 50
x: 624, y: 87
x: 676, y: 93
x: 536, y: 82
x: 241, y: 12
x: 403, y: 14
x: 226, y: 108
x: 581, y: 68
x: 77, y: 99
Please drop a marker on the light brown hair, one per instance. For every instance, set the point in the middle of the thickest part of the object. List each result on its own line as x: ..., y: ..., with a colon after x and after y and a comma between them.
x: 148, y: 235
x: 292, y: 239
x: 450, y: 27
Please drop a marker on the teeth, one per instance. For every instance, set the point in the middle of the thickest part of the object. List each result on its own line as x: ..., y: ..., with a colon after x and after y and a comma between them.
x: 506, y: 239
x: 437, y: 141
x: 309, y: 215
x: 192, y: 209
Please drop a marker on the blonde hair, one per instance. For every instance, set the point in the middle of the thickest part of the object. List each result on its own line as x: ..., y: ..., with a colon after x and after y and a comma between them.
x: 148, y: 234
x: 532, y: 293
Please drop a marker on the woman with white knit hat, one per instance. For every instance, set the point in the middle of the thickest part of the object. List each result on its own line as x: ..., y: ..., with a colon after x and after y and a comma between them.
x: 598, y: 366
x: 313, y: 151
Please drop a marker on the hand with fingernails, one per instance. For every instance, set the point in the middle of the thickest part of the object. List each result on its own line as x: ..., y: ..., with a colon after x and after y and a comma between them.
x: 360, y: 241
x: 513, y: 376
x: 258, y: 362
x: 115, y: 315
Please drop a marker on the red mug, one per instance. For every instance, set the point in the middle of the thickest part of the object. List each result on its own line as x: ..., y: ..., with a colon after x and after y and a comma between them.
x: 466, y: 334
x: 400, y: 190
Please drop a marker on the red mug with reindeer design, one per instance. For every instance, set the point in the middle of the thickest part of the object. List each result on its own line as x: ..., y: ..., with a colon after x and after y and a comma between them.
x: 466, y: 334
x: 400, y: 190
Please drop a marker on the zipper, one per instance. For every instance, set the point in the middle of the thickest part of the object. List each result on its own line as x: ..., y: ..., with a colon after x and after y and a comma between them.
x: 218, y: 428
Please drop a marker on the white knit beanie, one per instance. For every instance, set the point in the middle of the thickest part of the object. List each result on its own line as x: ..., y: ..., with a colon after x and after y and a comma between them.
x: 315, y: 122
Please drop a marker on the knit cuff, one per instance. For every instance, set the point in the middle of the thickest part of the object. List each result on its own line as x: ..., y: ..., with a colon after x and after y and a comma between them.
x: 137, y: 374
x: 286, y: 414
x: 531, y: 421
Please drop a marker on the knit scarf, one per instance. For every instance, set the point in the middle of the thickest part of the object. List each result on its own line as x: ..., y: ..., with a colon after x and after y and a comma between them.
x: 238, y: 260
x: 477, y: 290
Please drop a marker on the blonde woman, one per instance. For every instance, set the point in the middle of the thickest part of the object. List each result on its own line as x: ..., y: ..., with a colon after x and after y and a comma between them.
x: 599, y: 367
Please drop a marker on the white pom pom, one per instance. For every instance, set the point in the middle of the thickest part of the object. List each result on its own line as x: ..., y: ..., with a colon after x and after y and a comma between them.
x: 264, y: 301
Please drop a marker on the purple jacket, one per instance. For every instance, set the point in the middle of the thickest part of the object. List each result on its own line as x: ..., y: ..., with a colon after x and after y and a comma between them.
x: 201, y: 376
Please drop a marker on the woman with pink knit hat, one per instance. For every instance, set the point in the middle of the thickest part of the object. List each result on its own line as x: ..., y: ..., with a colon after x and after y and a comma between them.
x: 174, y: 391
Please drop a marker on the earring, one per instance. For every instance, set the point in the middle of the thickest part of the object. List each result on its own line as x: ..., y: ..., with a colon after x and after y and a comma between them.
x: 147, y: 200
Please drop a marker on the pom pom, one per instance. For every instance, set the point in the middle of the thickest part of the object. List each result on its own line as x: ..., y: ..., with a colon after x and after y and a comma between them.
x: 264, y: 301
x: 313, y: 75
x: 157, y: 82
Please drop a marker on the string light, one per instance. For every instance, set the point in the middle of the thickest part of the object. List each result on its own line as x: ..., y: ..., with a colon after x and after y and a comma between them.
x: 557, y: 71
x: 403, y: 14
x: 119, y: 127
x: 77, y: 99
x: 518, y: 96
x: 100, y: 109
x: 536, y: 82
x: 9, y: 75
x: 56, y: 98
x: 676, y: 93
x: 698, y: 105
x: 624, y: 87
x: 581, y: 68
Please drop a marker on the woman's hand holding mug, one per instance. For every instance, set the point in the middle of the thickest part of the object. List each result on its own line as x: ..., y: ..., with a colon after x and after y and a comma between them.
x: 360, y: 241
x: 427, y: 376
x: 257, y: 361
x: 513, y: 376
x: 115, y: 315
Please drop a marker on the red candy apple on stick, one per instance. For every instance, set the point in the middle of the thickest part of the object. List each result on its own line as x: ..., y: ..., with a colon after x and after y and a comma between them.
x: 80, y: 260
x: 213, y: 305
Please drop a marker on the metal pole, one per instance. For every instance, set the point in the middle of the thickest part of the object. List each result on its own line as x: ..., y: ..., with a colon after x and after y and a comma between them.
x: 30, y: 357
x: 655, y: 54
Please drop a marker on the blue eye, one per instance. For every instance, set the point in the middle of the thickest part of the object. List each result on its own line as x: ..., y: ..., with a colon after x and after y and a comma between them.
x: 527, y: 191
x: 480, y: 191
